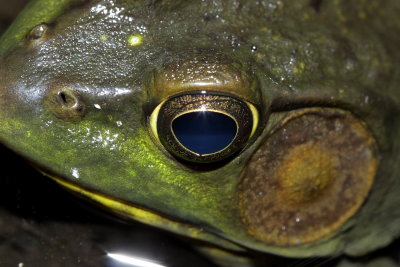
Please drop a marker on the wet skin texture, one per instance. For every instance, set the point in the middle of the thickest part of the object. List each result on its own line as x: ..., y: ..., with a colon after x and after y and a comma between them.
x: 82, y: 81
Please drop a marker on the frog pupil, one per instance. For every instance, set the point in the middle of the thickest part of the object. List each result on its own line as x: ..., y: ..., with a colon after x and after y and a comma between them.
x: 204, y: 132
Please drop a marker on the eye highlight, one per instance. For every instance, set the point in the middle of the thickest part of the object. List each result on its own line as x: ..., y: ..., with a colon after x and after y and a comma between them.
x: 204, y: 127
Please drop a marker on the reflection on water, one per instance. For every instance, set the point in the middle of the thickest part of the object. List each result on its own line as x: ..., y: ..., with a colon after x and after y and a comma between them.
x: 132, y: 260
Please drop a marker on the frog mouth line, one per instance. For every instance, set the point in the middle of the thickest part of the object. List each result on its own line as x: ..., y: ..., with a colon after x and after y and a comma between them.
x: 147, y: 217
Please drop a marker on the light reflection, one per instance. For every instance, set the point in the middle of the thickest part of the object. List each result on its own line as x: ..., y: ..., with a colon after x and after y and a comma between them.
x: 134, y: 261
x: 203, y: 108
x: 75, y: 173
x: 106, y: 91
x: 135, y: 40
x: 212, y: 82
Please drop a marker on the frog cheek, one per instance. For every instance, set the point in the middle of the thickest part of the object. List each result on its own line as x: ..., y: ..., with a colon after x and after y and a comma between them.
x: 309, y: 177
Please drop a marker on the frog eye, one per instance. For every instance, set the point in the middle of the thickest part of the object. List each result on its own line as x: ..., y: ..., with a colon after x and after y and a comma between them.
x: 310, y: 175
x: 64, y: 103
x: 203, y: 127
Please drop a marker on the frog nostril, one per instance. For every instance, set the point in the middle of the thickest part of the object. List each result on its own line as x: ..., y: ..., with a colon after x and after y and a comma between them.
x: 204, y: 132
x: 38, y: 32
x: 67, y: 99
x: 64, y: 103
x: 62, y: 96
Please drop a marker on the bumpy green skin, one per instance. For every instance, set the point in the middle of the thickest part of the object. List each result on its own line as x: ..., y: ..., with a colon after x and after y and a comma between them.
x: 338, y: 54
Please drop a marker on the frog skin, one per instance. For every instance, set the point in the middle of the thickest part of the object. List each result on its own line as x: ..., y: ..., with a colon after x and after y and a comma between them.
x: 89, y: 91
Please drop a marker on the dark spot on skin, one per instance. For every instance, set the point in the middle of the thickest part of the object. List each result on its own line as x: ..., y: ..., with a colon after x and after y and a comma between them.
x: 69, y: 100
x: 63, y: 97
x: 316, y: 4
x: 209, y: 17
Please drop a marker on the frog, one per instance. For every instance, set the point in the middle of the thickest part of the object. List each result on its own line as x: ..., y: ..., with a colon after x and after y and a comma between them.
x: 124, y: 103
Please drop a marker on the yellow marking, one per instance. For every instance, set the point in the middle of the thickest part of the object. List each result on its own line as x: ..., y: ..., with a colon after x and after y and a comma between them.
x: 259, y: 56
x: 135, y: 40
x: 104, y: 37
x: 147, y: 217
x: 299, y: 68
x: 276, y: 37
x: 153, y: 120
x: 254, y: 112
x: 121, y: 208
x: 277, y: 69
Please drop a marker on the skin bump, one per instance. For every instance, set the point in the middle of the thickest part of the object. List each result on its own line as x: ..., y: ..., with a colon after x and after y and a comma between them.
x: 135, y: 40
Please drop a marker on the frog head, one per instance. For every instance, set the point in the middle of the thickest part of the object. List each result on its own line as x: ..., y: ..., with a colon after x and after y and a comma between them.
x: 270, y: 126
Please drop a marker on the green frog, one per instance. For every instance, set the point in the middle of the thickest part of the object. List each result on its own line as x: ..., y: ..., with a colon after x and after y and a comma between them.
x: 268, y: 126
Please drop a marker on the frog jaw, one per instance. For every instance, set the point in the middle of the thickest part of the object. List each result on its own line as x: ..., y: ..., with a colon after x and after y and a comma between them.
x: 146, y: 216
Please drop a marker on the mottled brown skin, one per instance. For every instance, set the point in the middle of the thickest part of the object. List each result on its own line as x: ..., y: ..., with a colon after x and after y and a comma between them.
x: 77, y: 94
x: 311, y: 175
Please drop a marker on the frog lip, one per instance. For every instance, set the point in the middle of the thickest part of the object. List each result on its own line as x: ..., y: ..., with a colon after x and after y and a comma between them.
x: 130, y: 211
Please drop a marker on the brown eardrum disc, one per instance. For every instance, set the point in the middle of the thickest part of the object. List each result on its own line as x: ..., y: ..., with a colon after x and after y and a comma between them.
x: 308, y: 177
